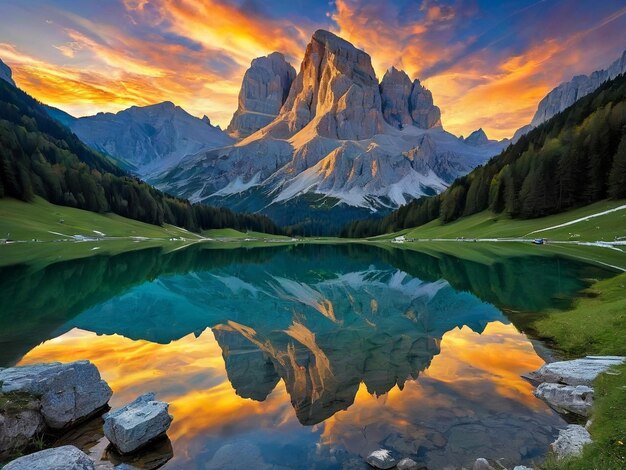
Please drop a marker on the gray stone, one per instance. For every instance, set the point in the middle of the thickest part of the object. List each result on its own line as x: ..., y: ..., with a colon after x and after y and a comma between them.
x: 482, y: 464
x: 59, y: 458
x: 68, y: 392
x: 18, y: 427
x: 137, y: 424
x: 408, y: 464
x: 570, y: 441
x: 406, y: 103
x: 576, y: 399
x: 522, y: 467
x: 264, y: 89
x: 577, y: 372
x: 381, y: 459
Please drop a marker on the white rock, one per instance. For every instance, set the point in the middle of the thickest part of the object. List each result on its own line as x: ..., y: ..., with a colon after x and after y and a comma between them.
x: 570, y: 441
x: 137, y: 424
x: 577, y: 372
x: 567, y: 398
x: 68, y: 392
x: 522, y: 467
x: 482, y: 464
x: 58, y: 458
x: 381, y: 459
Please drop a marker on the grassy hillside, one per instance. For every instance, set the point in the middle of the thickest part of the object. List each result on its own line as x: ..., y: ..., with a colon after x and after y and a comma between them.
x: 489, y: 225
x: 43, y: 221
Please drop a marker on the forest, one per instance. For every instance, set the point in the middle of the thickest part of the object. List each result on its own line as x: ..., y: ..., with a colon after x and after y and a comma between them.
x: 41, y: 157
x: 576, y: 158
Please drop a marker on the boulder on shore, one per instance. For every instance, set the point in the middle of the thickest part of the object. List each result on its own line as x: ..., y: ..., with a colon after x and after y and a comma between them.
x: 68, y: 393
x: 20, y: 421
x: 409, y: 464
x: 577, y: 372
x: 571, y: 441
x: 567, y: 398
x: 59, y: 458
x: 137, y: 424
x: 381, y: 459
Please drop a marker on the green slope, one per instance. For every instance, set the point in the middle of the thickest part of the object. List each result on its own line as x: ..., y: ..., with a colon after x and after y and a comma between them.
x: 486, y: 224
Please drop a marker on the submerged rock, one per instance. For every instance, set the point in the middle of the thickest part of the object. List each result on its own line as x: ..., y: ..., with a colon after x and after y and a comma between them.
x: 382, y: 459
x: 68, y: 393
x: 577, y: 372
x: 59, y: 458
x: 409, y: 464
x: 137, y: 424
x: 567, y: 398
x: 482, y: 464
x: 570, y: 441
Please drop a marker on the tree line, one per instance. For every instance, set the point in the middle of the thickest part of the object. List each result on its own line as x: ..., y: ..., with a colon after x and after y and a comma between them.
x: 40, y: 157
x: 576, y: 158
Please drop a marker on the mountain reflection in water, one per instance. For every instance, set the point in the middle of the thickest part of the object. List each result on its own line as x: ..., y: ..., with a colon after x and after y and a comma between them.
x: 368, y: 348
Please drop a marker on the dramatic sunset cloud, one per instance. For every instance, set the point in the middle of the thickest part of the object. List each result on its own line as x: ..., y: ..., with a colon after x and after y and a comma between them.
x: 488, y: 63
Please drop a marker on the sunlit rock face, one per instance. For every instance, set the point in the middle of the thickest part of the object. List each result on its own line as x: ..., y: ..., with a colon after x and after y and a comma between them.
x: 264, y: 89
x: 335, y: 93
x: 340, y: 136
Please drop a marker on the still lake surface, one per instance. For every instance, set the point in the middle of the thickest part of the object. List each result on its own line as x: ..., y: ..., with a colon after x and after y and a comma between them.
x: 302, y: 356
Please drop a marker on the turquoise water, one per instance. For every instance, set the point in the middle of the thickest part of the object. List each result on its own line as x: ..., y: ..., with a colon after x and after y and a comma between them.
x: 303, y: 356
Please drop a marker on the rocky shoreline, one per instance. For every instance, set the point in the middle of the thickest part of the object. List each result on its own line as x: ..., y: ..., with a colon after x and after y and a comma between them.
x: 54, y: 398
x: 50, y: 399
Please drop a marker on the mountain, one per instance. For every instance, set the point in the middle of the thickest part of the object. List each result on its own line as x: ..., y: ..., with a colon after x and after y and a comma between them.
x: 478, y: 137
x: 152, y: 138
x: 59, y: 115
x: 44, y: 158
x: 264, y: 89
x: 566, y: 94
x: 342, y: 145
x: 575, y: 158
x: 6, y: 74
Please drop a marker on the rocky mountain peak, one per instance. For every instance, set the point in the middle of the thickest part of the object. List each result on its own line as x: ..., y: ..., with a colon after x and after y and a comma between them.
x: 395, y: 91
x: 6, y: 74
x: 263, y: 91
x: 405, y: 103
x: 335, y: 92
x: 478, y: 137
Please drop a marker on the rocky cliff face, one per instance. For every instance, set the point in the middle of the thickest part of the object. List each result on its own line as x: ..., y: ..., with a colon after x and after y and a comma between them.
x: 264, y: 89
x: 567, y: 93
x: 335, y: 94
x: 339, y: 135
x: 6, y: 74
x: 149, y: 137
x: 405, y: 103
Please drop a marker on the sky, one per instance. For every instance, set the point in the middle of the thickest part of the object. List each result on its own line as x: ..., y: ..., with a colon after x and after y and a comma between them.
x: 488, y: 63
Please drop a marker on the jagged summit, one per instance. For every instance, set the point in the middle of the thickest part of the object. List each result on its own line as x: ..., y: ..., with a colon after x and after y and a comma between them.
x: 407, y: 103
x: 264, y: 89
x: 334, y: 95
x: 6, y: 73
x: 478, y: 137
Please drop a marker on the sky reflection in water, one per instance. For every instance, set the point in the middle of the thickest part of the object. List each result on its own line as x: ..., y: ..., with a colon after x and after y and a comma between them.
x: 313, y: 362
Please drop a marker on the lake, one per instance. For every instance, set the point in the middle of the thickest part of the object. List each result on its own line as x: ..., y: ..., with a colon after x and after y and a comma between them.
x: 306, y: 356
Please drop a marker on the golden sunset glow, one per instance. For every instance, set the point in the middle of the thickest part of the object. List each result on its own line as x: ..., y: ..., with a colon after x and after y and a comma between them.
x: 486, y: 63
